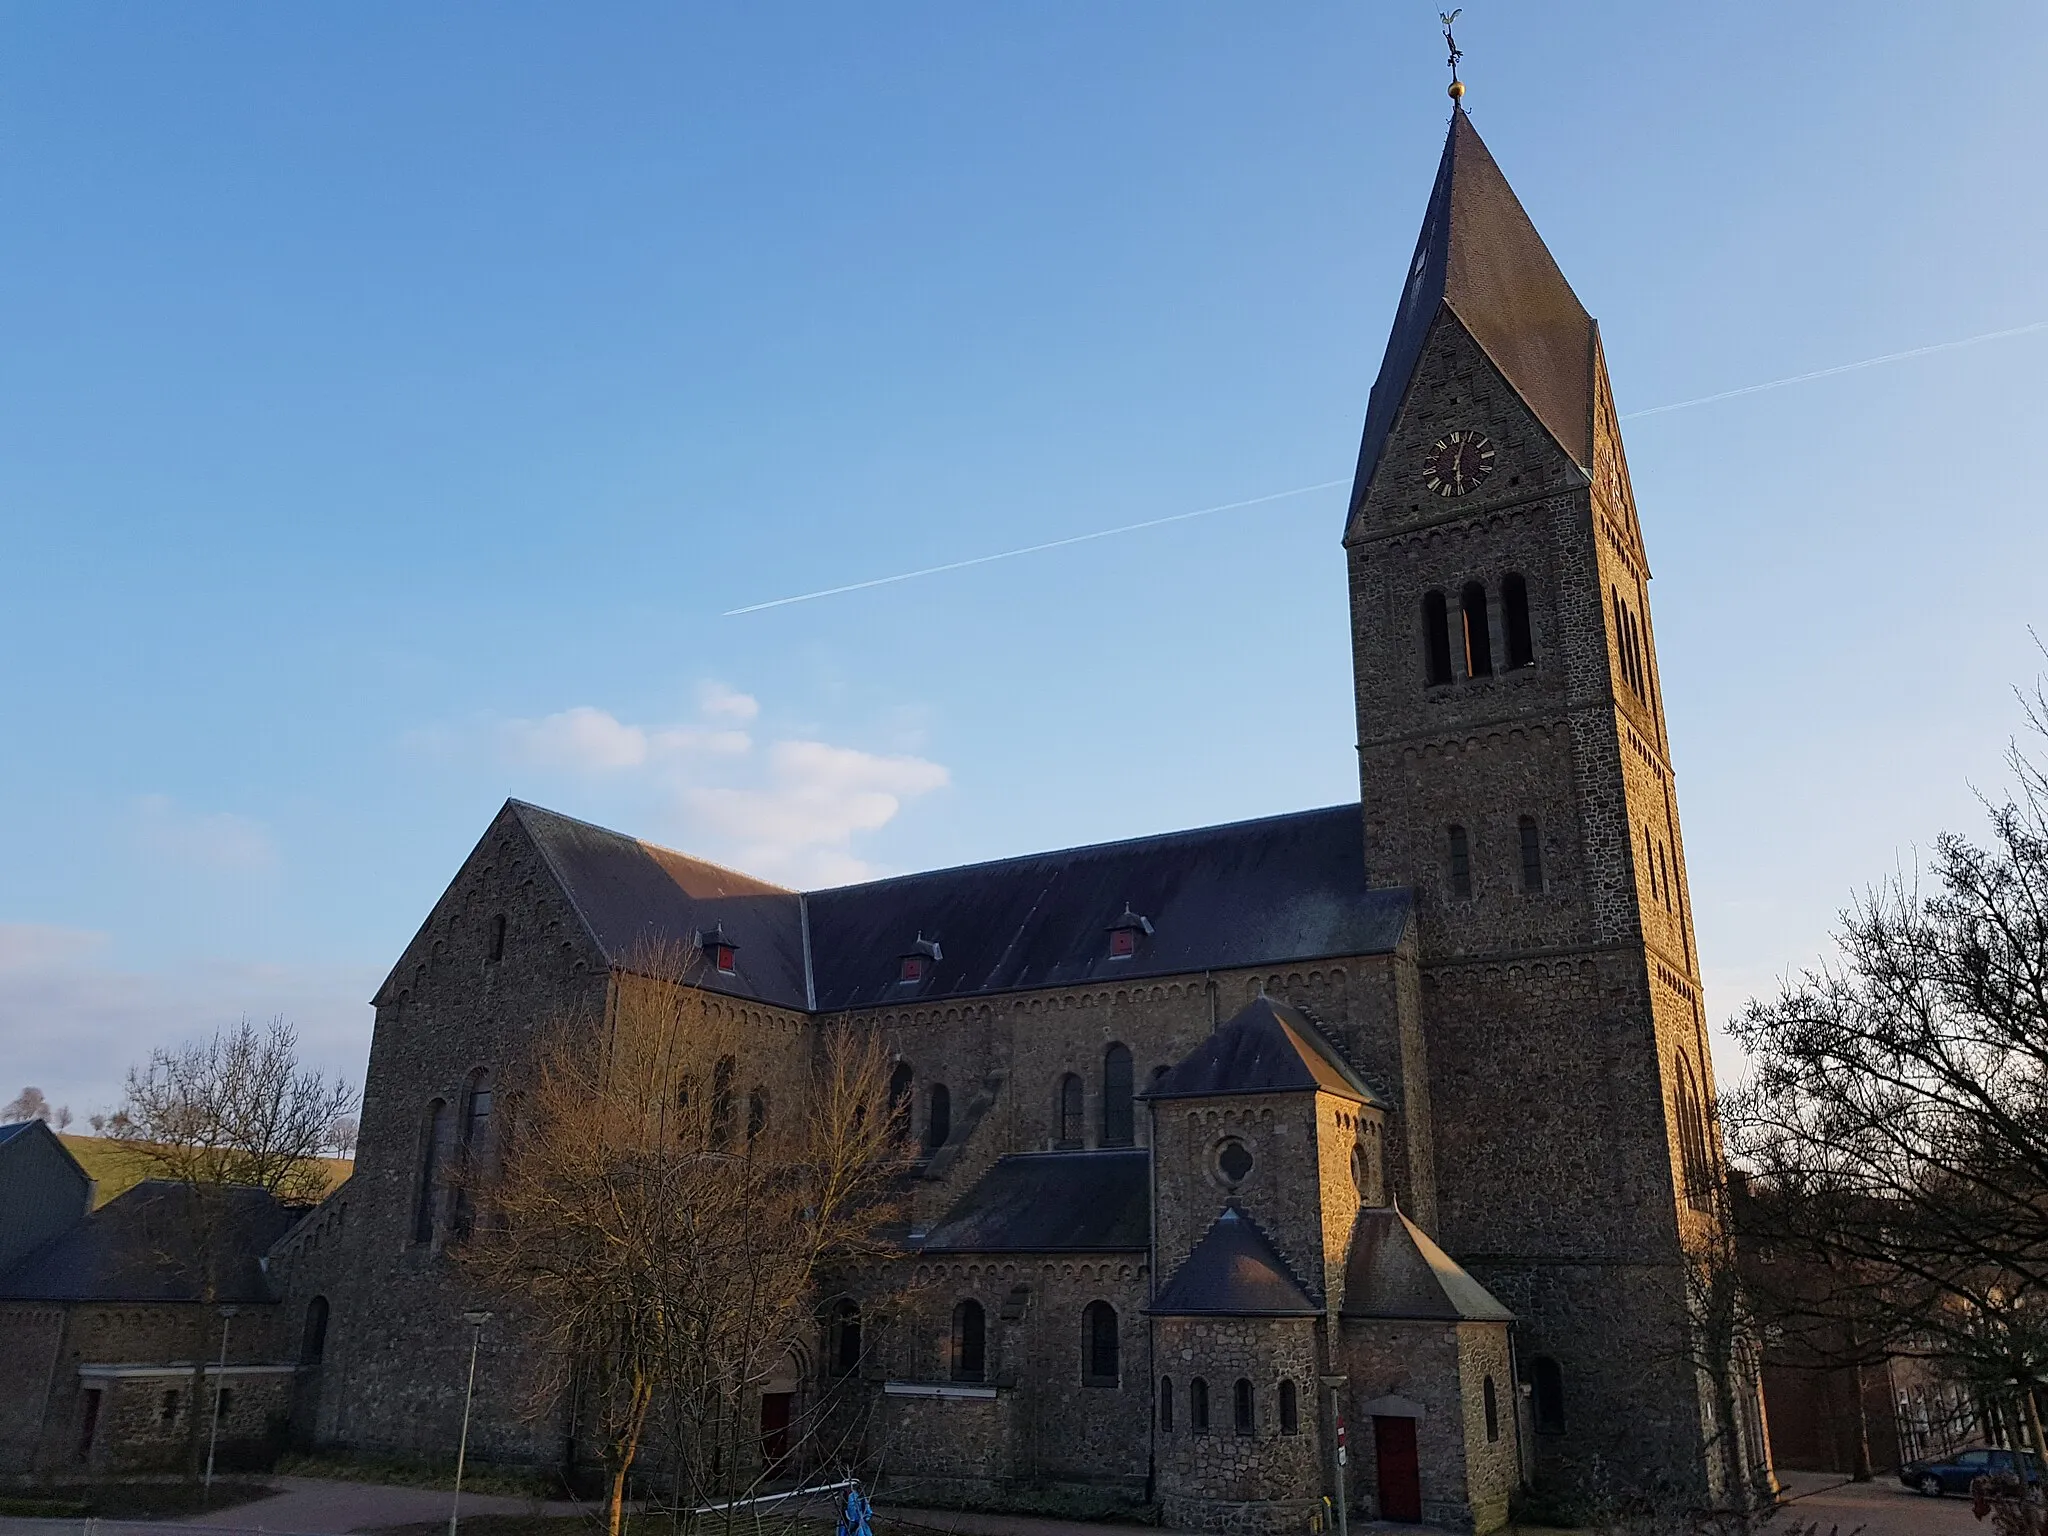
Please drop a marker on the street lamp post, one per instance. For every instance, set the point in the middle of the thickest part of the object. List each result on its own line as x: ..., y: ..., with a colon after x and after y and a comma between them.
x: 1333, y: 1385
x: 476, y: 1321
x: 220, y: 1377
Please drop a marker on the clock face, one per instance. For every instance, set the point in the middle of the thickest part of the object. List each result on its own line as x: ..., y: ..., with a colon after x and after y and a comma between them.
x: 1458, y: 462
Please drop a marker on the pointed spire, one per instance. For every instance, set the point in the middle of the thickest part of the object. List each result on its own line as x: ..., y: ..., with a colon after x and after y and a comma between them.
x: 1480, y: 257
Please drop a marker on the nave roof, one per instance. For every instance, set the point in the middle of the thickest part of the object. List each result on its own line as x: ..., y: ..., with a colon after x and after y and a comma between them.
x: 1278, y: 890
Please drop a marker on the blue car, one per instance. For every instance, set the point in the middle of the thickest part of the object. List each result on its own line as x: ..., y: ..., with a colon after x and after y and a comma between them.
x: 1955, y: 1472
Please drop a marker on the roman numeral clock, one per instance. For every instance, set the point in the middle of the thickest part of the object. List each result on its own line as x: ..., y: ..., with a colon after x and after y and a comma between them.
x: 1458, y: 462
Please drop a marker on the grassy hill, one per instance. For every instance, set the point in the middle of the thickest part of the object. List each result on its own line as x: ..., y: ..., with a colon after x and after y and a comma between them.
x: 115, y: 1167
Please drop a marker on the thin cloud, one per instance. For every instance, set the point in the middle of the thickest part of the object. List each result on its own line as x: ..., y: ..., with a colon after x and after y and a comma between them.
x: 215, y: 840
x: 799, y: 826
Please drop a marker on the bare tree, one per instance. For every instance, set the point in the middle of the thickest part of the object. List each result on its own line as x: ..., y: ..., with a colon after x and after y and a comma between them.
x: 29, y: 1104
x: 234, y: 1113
x: 342, y: 1132
x: 1900, y: 1092
x: 661, y: 1226
x: 63, y: 1117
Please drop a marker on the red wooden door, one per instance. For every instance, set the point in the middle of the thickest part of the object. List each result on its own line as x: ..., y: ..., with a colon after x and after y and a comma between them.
x: 1400, y: 1476
x: 775, y: 1425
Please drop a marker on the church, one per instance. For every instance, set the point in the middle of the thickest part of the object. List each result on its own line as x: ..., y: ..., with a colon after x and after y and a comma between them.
x: 1390, y: 1120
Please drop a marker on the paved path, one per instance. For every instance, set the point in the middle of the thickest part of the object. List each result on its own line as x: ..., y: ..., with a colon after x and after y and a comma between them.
x: 305, y: 1506
x: 1879, y: 1507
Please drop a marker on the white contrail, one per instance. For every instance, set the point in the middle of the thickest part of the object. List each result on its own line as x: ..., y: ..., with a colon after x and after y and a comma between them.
x: 1032, y: 549
x: 1326, y: 485
x: 1828, y: 373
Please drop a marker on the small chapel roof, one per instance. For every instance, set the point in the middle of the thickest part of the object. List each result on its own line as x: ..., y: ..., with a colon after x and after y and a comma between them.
x: 1234, y: 1271
x: 1053, y: 1202
x: 141, y: 1246
x: 1479, y: 255
x: 1266, y: 1047
x: 1394, y: 1271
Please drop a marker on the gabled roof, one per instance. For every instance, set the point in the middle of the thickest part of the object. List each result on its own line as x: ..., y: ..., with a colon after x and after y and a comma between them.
x: 631, y: 894
x: 16, y: 1128
x: 140, y: 1246
x: 1395, y: 1271
x: 1278, y: 890
x: 1053, y: 1202
x: 1234, y: 1271
x: 1480, y: 256
x: 1266, y: 1047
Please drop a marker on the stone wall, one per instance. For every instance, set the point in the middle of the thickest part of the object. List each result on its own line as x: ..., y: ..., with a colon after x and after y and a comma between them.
x: 48, y: 1356
x: 1223, y: 1477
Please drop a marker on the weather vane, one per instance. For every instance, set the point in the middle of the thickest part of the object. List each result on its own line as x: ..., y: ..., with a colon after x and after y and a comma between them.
x: 1450, y: 42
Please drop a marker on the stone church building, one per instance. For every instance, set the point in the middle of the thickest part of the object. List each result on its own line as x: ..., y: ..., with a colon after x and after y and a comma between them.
x: 1395, y: 1113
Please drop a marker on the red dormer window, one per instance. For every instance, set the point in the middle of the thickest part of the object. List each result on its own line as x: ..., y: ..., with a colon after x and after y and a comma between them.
x: 916, y: 962
x: 1125, y: 932
x: 718, y: 949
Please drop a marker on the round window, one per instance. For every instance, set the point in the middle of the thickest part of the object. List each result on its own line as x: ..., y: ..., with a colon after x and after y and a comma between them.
x: 1233, y: 1161
x: 1358, y: 1169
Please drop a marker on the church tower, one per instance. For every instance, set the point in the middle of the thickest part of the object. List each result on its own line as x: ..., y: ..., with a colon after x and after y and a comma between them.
x: 1516, y: 776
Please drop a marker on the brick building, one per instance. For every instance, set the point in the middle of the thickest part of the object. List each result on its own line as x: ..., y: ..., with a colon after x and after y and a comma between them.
x: 1401, y: 1108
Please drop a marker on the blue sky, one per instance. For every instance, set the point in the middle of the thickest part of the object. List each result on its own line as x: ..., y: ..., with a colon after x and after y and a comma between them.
x: 394, y: 397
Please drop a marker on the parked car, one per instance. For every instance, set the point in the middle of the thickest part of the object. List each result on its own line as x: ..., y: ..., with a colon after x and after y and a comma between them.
x: 1955, y: 1472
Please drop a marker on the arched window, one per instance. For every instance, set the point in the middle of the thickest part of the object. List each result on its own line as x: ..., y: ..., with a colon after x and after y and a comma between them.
x: 1361, y: 1175
x: 1198, y: 1406
x: 721, y: 1101
x: 476, y: 1150
x: 1664, y: 879
x: 1117, y: 1087
x: 1478, y: 640
x: 970, y: 1341
x: 1166, y: 1404
x: 1461, y: 863
x: 1532, y: 855
x: 1697, y: 1167
x: 900, y: 1081
x: 1070, y: 1111
x: 845, y: 1354
x: 497, y: 951
x: 1514, y: 614
x: 1436, y: 639
x: 757, y: 1116
x: 1243, y: 1410
x: 435, y: 1135
x: 1099, y: 1345
x: 313, y: 1341
x: 938, y: 1120
x: 1492, y: 1404
x: 1290, y: 1409
x: 1546, y: 1395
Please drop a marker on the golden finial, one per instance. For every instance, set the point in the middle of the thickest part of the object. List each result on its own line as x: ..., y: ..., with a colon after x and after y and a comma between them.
x: 1450, y: 42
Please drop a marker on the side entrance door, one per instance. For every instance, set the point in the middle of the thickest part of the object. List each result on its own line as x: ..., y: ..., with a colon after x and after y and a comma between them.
x: 775, y: 1425
x: 1400, y: 1474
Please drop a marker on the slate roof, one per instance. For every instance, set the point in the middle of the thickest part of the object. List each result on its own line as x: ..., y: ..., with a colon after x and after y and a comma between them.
x: 1284, y: 888
x: 1053, y: 1202
x: 1234, y: 1271
x: 1281, y: 889
x: 1266, y: 1047
x: 10, y: 1131
x: 1395, y: 1271
x: 139, y: 1247
x: 1480, y: 256
x: 631, y: 894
